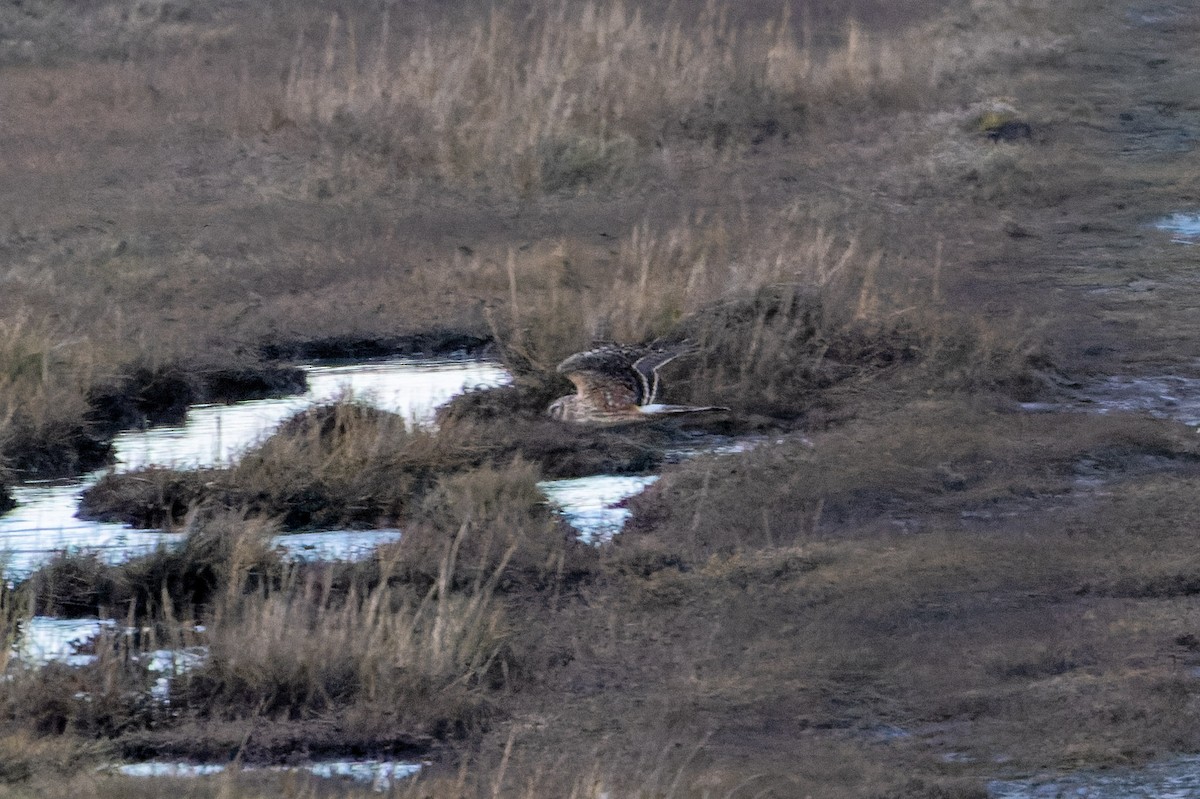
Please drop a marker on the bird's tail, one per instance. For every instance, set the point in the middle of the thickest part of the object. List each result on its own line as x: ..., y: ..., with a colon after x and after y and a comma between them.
x: 654, y: 410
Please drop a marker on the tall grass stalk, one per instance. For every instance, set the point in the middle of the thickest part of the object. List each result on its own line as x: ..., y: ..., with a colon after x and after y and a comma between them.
x: 305, y: 646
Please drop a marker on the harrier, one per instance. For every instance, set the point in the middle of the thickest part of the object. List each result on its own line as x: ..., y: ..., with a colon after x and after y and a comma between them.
x: 616, y: 384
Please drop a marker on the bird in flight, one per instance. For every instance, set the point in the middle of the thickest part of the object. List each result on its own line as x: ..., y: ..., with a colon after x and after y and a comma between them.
x: 615, y: 384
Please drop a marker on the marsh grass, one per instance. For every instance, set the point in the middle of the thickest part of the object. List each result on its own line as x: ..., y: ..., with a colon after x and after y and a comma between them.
x: 421, y: 640
x: 226, y: 551
x: 44, y: 376
x: 340, y: 464
x: 347, y: 464
x: 933, y: 458
x: 777, y: 310
x: 580, y: 94
x: 416, y: 640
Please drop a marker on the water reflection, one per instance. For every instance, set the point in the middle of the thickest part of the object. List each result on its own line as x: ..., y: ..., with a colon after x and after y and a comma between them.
x: 215, y: 435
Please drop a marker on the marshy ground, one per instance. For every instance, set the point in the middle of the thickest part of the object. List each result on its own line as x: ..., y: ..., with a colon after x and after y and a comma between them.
x: 884, y: 230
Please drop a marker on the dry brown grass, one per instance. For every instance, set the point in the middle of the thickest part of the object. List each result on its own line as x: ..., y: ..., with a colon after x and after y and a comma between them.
x: 581, y: 93
x: 900, y: 468
x: 327, y: 182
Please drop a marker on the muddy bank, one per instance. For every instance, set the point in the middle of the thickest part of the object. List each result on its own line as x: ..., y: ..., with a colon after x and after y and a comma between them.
x: 435, y: 342
x: 145, y: 395
x: 275, y: 742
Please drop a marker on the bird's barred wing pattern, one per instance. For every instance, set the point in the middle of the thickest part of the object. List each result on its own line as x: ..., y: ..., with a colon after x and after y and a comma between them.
x: 615, y: 383
x: 604, y: 392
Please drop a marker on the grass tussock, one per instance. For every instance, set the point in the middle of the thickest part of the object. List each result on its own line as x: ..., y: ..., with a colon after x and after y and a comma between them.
x: 415, y: 641
x: 343, y: 464
x: 43, y: 406
x: 421, y: 639
x: 225, y: 552
x: 496, y: 522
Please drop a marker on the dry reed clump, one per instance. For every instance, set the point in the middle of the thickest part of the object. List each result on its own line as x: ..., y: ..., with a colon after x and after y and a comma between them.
x: 101, y: 699
x: 26, y: 757
x: 583, y: 93
x: 491, y: 521
x: 424, y: 660
x: 43, y: 406
x: 660, y: 277
x: 929, y: 459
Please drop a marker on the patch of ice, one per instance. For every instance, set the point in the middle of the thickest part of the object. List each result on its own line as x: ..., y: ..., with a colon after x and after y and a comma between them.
x: 44, y: 639
x: 171, y: 663
x: 170, y: 769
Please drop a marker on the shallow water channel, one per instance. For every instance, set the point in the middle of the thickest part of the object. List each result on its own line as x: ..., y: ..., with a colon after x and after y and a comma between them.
x: 44, y: 523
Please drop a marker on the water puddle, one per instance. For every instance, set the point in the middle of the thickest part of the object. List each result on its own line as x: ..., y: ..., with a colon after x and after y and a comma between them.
x: 1162, y: 396
x: 215, y: 435
x: 43, y: 639
x: 44, y: 524
x: 379, y: 774
x: 327, y: 545
x: 595, y: 505
x: 1177, y: 778
x: 1184, y: 228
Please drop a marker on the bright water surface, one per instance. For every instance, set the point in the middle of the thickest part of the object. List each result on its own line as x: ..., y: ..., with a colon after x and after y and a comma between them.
x: 44, y: 522
x: 1185, y: 228
x: 379, y: 774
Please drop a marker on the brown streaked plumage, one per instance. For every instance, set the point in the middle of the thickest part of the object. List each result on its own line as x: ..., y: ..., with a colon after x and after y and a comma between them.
x: 615, y: 384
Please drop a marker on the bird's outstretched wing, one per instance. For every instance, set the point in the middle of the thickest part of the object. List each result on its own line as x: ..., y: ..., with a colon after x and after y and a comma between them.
x: 647, y: 368
x: 615, y: 383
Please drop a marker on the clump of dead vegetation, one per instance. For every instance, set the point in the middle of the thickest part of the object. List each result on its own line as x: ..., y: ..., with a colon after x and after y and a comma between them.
x: 347, y: 464
x: 171, y: 583
x: 63, y: 398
